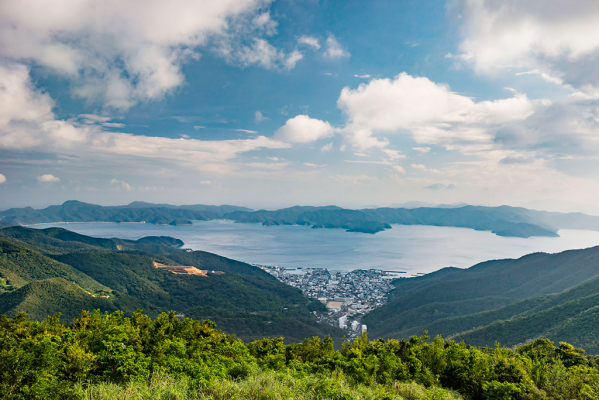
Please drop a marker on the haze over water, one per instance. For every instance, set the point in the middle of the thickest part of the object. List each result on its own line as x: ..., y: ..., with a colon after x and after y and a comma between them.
x: 413, y: 249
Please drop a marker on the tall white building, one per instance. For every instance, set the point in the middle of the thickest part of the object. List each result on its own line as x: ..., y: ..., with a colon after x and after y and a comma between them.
x: 364, y: 328
x: 343, y: 322
x: 355, y: 326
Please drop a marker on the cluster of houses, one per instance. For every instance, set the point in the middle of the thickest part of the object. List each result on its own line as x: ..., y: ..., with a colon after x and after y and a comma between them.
x: 347, y: 295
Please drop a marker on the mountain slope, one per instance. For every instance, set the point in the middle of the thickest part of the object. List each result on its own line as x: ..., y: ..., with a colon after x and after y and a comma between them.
x: 44, y: 298
x: 20, y: 265
x: 419, y: 302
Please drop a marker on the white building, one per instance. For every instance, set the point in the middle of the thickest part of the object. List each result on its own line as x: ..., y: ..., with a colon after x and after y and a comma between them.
x: 364, y: 328
x: 355, y: 326
x: 343, y: 322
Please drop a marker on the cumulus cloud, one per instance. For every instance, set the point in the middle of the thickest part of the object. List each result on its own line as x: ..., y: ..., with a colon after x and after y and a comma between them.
x: 47, y: 178
x: 559, y: 41
x: 303, y: 129
x: 309, y: 41
x: 244, y: 45
x: 334, y: 49
x: 432, y: 113
x: 121, y: 53
x: 2, y: 179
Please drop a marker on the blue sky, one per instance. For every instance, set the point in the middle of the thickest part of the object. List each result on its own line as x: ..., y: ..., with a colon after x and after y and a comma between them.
x: 272, y: 104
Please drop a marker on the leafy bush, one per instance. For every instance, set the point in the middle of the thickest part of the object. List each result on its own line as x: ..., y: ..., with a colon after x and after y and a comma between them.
x: 109, y: 356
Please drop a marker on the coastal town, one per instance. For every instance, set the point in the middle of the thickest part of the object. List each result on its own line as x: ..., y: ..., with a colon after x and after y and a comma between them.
x: 347, y: 295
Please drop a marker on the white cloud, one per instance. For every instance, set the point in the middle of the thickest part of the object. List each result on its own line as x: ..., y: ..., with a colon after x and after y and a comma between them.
x: 259, y: 117
x: 2, y: 179
x: 121, y: 184
x: 309, y: 41
x: 422, y: 150
x: 245, y: 130
x: 92, y: 118
x: 557, y: 40
x: 264, y: 22
x: 292, y: 59
x: 198, y: 127
x: 206, y: 183
x: 334, y: 49
x: 418, y: 166
x: 303, y: 129
x: 393, y: 154
x: 430, y: 112
x: 47, y: 178
x: 399, y: 169
x: 113, y: 125
x: 366, y: 76
x: 119, y: 53
x: 27, y: 123
x: 327, y: 147
x: 260, y: 52
x: 315, y: 165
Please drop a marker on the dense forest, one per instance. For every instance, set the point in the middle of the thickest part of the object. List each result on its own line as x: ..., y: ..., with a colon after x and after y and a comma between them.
x: 503, y: 221
x: 108, y: 356
x: 49, y: 271
x: 509, y: 301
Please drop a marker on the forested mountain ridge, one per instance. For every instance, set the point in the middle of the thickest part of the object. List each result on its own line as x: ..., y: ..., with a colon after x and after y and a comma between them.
x: 38, y: 265
x: 510, y: 301
x: 503, y: 221
x: 76, y: 211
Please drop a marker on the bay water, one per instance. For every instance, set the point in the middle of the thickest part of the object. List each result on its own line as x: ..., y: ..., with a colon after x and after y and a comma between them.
x: 408, y: 248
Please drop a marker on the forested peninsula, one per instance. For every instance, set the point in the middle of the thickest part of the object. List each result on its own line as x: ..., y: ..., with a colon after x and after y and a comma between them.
x: 502, y: 221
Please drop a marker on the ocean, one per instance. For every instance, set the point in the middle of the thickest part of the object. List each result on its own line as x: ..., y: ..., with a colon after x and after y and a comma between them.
x: 409, y: 248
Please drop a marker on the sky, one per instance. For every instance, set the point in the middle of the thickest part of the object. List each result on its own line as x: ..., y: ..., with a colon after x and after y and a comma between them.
x: 269, y: 104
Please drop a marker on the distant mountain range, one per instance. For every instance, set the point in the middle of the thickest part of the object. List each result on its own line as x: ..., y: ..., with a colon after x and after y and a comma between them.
x: 513, y: 302
x: 503, y: 221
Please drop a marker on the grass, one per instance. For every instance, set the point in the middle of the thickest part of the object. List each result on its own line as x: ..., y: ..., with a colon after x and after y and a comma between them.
x: 262, y: 385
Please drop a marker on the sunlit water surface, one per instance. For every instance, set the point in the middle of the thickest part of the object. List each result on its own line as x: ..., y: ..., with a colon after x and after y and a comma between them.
x: 413, y: 249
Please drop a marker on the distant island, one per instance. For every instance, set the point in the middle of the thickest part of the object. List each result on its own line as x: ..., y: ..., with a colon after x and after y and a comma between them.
x: 502, y: 221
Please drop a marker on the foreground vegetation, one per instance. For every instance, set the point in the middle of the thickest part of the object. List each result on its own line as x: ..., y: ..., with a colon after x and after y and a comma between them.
x: 112, y: 357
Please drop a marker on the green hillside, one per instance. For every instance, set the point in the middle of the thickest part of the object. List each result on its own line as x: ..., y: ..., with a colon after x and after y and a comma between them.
x: 244, y: 300
x: 504, y: 300
x: 44, y: 298
x: 20, y: 265
x: 453, y: 292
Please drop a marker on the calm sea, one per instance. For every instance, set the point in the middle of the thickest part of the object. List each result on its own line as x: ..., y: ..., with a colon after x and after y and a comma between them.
x: 413, y: 249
